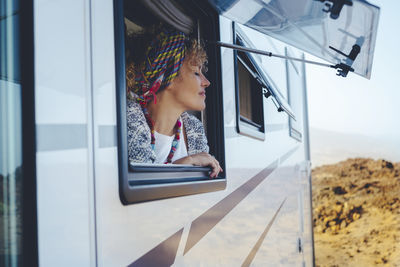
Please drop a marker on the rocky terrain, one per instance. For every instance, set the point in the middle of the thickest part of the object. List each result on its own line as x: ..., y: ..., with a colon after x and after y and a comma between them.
x: 357, y: 213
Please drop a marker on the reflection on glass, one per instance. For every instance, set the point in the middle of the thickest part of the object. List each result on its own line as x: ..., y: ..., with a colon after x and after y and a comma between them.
x: 304, y: 24
x: 295, y: 92
x: 10, y: 136
x: 250, y: 98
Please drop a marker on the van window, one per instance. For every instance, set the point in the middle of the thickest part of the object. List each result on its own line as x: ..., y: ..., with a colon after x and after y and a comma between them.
x: 143, y: 182
x: 250, y: 99
x: 253, y: 85
x: 249, y: 93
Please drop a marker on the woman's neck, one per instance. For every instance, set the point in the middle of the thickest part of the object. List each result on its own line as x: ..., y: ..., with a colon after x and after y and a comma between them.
x: 164, y: 115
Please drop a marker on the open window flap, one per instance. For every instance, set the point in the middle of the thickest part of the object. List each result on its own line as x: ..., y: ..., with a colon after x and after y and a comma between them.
x: 268, y: 83
x: 313, y: 26
x: 277, y: 98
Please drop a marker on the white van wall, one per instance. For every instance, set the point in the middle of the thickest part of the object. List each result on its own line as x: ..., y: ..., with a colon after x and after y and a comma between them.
x: 63, y: 88
x: 82, y: 222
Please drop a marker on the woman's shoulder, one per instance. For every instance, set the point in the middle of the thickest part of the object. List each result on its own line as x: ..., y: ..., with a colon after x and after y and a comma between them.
x: 196, y: 138
x: 139, y: 136
x: 133, y: 104
x: 134, y: 111
x: 135, y: 116
x: 192, y: 123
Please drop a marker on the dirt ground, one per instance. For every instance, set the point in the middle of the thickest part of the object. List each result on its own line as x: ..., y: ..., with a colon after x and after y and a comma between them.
x: 357, y: 213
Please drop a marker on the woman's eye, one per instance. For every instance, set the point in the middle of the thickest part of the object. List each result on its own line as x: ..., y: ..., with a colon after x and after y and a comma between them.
x: 196, y: 73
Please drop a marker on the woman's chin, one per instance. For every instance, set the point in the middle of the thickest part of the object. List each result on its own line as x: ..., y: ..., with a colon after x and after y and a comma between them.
x: 199, y: 105
x: 198, y: 108
x: 202, y: 106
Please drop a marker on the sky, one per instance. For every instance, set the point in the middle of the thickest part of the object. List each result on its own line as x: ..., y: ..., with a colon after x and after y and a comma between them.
x: 355, y: 104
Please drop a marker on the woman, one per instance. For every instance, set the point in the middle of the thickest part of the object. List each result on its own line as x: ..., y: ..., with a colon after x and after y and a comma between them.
x: 168, y: 82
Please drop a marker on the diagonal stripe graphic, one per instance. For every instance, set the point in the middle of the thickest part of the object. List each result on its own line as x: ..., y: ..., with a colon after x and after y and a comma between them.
x: 162, y: 255
x: 257, y: 246
x: 205, y: 222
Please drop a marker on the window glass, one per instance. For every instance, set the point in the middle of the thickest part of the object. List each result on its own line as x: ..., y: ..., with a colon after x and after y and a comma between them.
x: 295, y: 96
x: 305, y: 24
x: 249, y: 94
x: 245, y: 96
x: 10, y: 136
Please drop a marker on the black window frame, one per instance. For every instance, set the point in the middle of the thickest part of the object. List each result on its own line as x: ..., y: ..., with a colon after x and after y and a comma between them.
x: 171, y: 180
x: 30, y: 250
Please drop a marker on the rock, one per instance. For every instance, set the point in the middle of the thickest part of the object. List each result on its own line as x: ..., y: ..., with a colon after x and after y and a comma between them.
x: 356, y: 216
x: 387, y: 164
x: 341, y: 200
x: 335, y: 228
x: 318, y: 229
x: 338, y: 190
x: 346, y: 207
x: 338, y: 208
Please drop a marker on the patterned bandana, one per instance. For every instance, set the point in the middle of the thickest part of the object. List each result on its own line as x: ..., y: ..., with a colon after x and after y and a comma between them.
x: 164, y: 58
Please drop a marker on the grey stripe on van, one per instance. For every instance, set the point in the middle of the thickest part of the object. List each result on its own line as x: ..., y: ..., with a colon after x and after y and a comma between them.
x: 107, y: 136
x: 205, y: 222
x: 288, y: 154
x: 162, y: 255
x: 257, y: 246
x: 50, y: 137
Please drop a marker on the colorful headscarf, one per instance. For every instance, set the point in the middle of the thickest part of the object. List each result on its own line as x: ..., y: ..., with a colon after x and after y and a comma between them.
x: 163, y: 59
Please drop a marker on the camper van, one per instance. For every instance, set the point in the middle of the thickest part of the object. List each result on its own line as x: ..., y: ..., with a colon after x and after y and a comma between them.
x: 69, y: 194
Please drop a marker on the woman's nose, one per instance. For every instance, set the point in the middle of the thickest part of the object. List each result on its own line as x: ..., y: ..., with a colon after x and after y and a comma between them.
x: 205, y: 82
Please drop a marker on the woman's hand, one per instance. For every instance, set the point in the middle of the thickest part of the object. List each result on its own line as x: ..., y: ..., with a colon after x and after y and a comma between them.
x: 202, y: 159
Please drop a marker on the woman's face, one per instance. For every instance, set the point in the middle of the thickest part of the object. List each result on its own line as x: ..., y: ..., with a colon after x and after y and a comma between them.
x: 188, y: 88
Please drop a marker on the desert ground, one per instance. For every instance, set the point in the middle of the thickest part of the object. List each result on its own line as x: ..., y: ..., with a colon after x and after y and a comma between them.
x: 356, y: 213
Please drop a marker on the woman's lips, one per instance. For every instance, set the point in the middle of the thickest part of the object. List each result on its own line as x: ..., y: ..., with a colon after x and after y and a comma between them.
x: 203, y: 93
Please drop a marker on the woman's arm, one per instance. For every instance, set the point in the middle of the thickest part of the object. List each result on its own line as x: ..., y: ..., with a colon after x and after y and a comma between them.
x: 202, y: 159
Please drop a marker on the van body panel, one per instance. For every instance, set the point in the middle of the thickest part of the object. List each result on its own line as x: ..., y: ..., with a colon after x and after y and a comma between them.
x: 258, y: 219
x: 65, y: 193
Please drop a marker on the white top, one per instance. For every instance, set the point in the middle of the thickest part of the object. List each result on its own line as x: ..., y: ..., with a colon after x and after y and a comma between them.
x: 163, y: 147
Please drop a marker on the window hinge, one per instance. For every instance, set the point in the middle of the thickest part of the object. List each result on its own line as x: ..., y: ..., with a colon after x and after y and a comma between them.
x: 343, y: 69
x: 266, y: 93
x: 335, y: 6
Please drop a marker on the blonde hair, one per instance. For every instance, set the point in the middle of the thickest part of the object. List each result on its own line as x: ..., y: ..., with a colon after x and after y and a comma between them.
x: 196, y: 54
